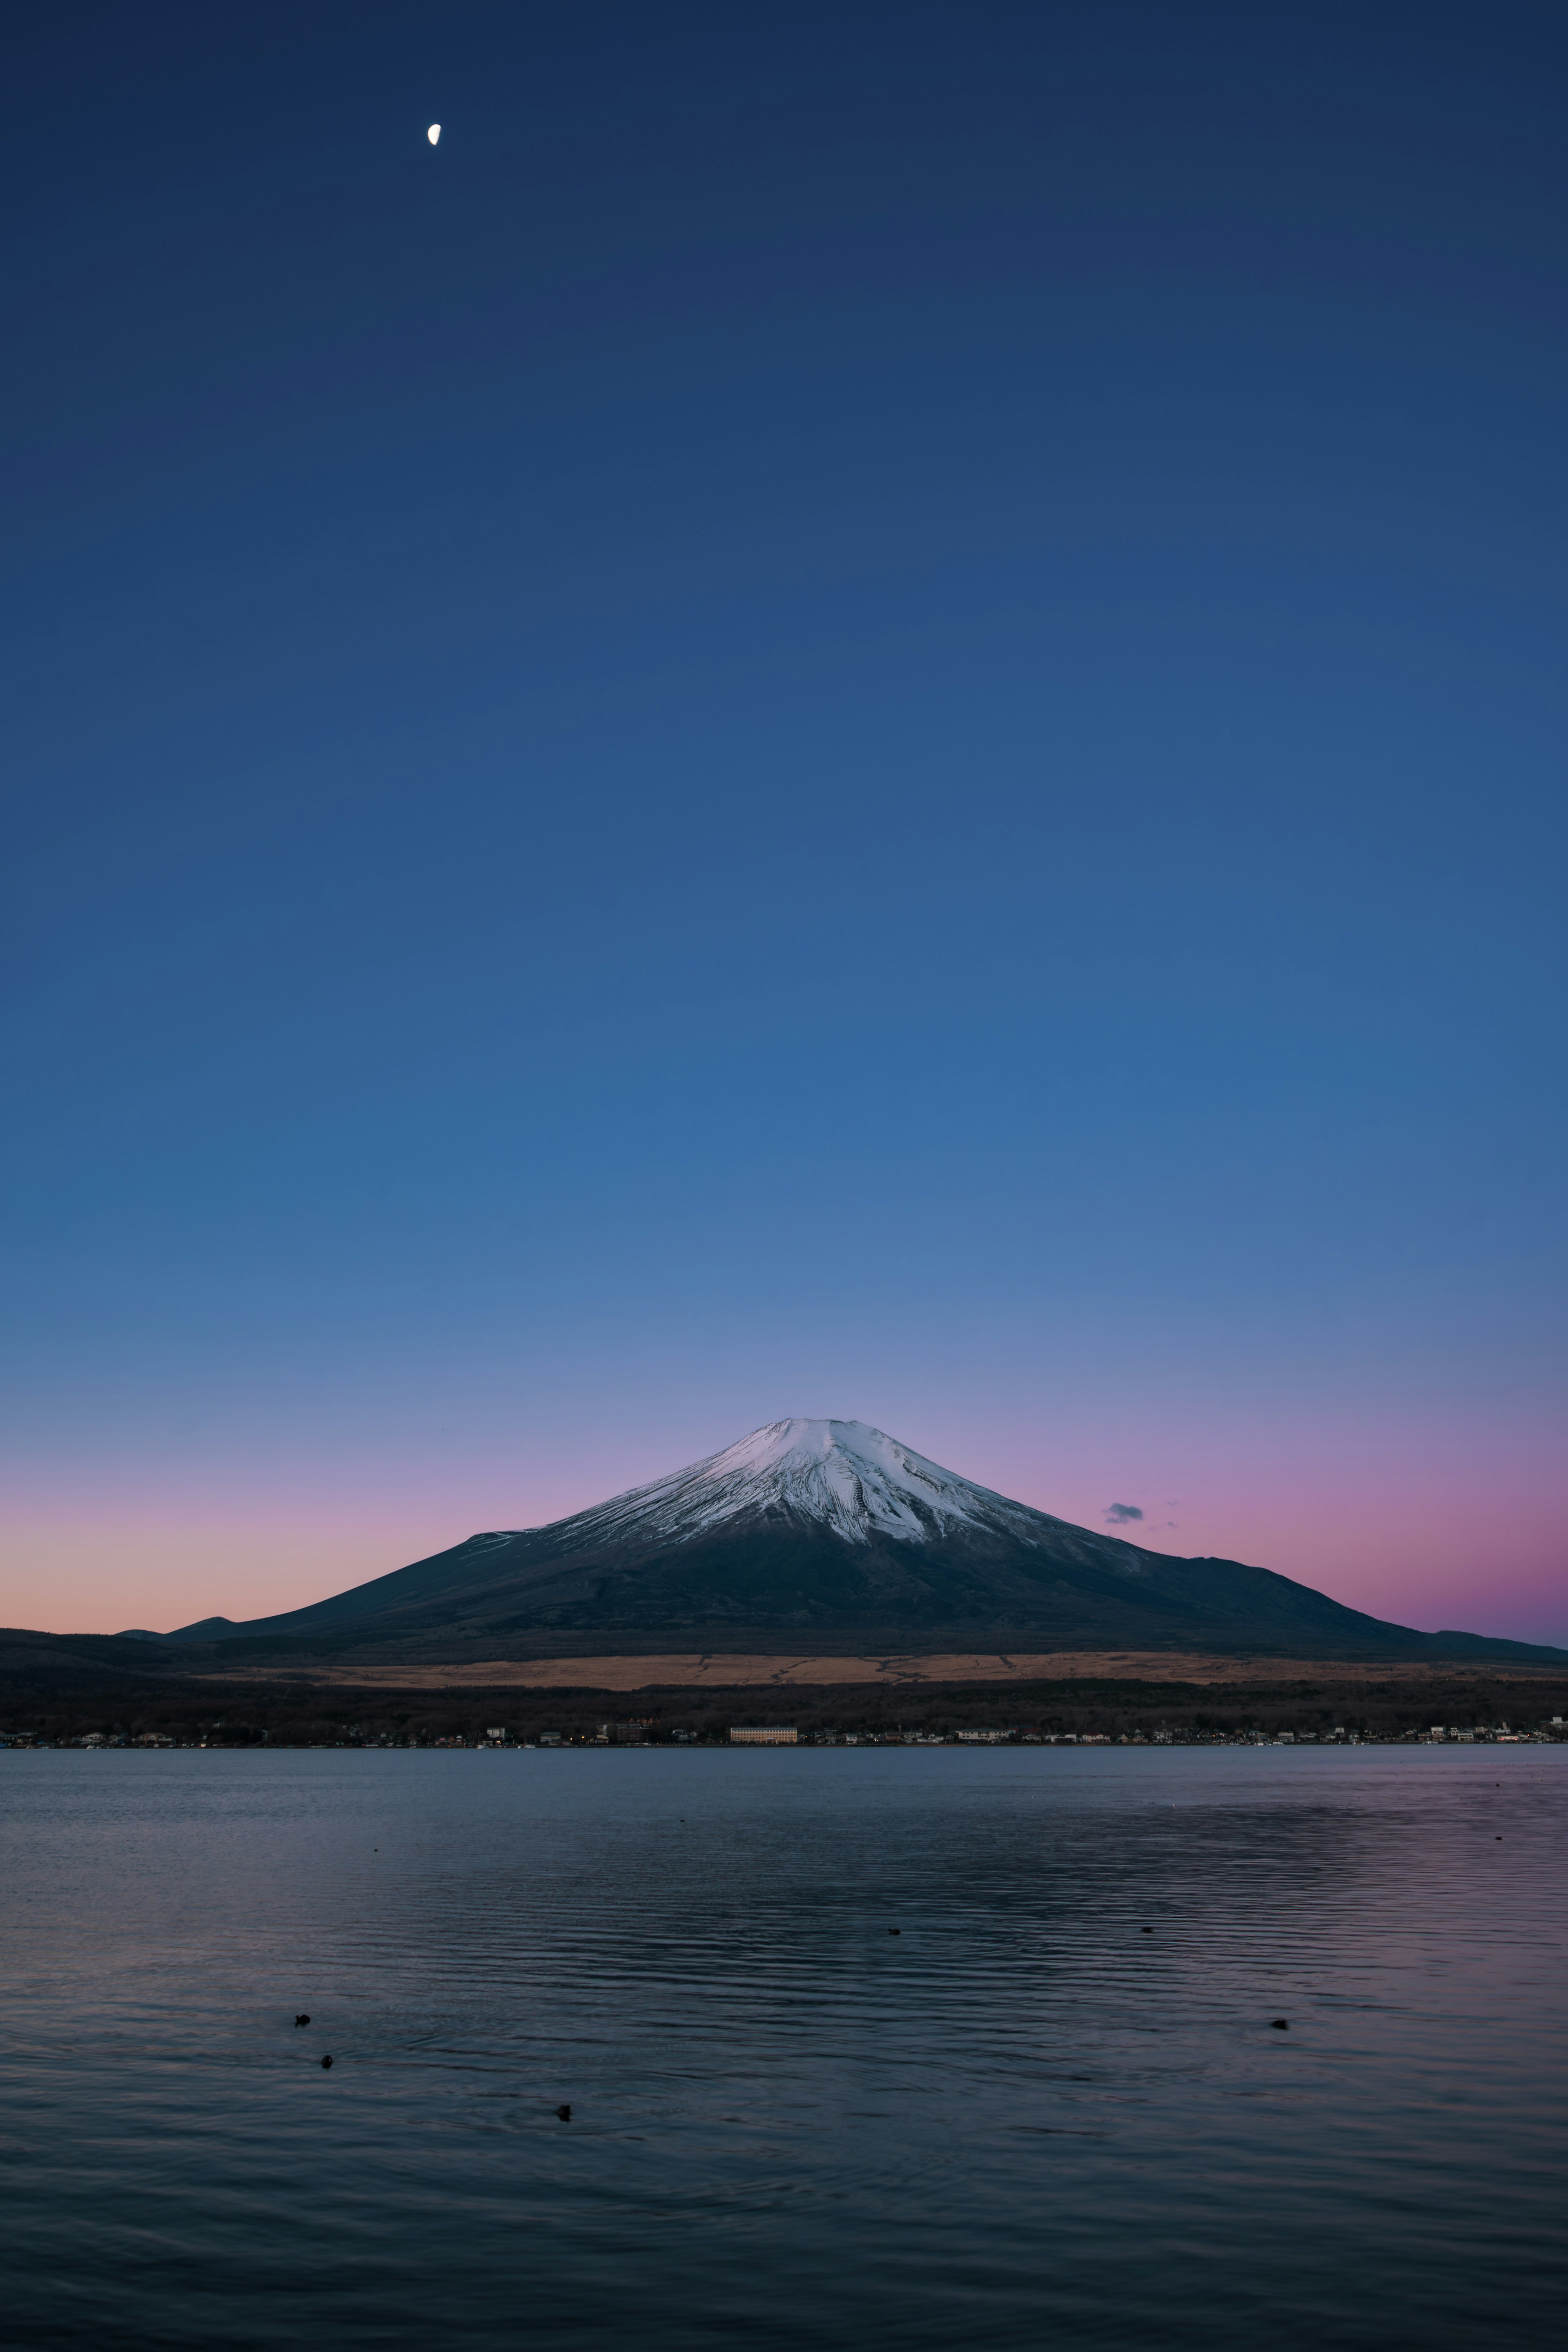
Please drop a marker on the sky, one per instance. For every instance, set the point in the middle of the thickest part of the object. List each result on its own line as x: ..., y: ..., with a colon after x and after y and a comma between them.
x: 857, y: 711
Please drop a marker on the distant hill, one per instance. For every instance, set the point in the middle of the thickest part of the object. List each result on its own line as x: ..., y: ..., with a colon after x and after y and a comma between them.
x: 35, y: 1664
x: 830, y: 1533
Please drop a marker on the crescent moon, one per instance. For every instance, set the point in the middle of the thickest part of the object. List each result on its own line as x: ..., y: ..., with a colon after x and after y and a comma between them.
x: 434, y: 133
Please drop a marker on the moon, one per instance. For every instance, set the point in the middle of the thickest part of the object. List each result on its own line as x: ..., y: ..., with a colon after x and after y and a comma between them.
x: 434, y: 133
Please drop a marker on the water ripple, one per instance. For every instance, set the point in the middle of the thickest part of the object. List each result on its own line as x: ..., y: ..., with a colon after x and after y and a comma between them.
x: 1022, y: 2117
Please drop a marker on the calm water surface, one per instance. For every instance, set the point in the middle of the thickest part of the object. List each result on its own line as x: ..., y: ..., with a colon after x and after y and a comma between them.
x: 1021, y: 2121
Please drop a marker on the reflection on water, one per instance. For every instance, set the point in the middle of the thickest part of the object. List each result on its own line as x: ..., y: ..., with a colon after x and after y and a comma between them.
x: 1052, y: 2107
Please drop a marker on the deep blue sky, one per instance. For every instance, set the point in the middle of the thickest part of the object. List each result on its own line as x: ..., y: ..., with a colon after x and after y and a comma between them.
x: 859, y: 710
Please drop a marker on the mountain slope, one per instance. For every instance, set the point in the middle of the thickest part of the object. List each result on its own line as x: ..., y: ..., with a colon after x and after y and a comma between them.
x: 825, y: 1529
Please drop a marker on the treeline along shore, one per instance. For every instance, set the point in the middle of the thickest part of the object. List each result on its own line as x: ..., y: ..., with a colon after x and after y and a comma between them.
x: 57, y: 1689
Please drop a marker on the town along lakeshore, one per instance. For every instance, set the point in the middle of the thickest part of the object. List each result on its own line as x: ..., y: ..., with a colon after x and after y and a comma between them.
x: 124, y: 1692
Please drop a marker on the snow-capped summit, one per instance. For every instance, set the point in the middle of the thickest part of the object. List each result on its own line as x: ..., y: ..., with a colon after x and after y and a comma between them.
x: 841, y: 1474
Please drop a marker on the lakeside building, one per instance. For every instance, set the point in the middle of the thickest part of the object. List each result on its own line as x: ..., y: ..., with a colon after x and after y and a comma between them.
x: 771, y: 1734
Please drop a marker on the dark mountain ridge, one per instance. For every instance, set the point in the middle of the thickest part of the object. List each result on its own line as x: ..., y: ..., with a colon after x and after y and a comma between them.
x: 822, y: 1534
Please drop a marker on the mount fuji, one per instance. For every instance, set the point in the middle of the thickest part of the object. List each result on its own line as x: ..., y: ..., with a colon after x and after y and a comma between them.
x: 820, y: 1531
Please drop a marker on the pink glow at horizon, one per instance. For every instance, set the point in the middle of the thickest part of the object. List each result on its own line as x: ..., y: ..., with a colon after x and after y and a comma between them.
x: 1408, y: 1528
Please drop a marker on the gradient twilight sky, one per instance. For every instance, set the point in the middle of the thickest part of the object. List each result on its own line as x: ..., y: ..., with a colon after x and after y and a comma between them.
x: 860, y: 711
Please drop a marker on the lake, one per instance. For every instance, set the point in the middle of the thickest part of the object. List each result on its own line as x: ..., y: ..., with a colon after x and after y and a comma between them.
x: 1051, y: 2109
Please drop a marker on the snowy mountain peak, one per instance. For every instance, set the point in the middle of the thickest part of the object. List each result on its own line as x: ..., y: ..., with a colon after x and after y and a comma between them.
x: 844, y: 1475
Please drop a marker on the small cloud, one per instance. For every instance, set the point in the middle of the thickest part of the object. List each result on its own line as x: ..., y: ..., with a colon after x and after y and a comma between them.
x: 1120, y: 1513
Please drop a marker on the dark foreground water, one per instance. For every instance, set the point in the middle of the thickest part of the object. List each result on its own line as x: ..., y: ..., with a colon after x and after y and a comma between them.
x: 1021, y: 2121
